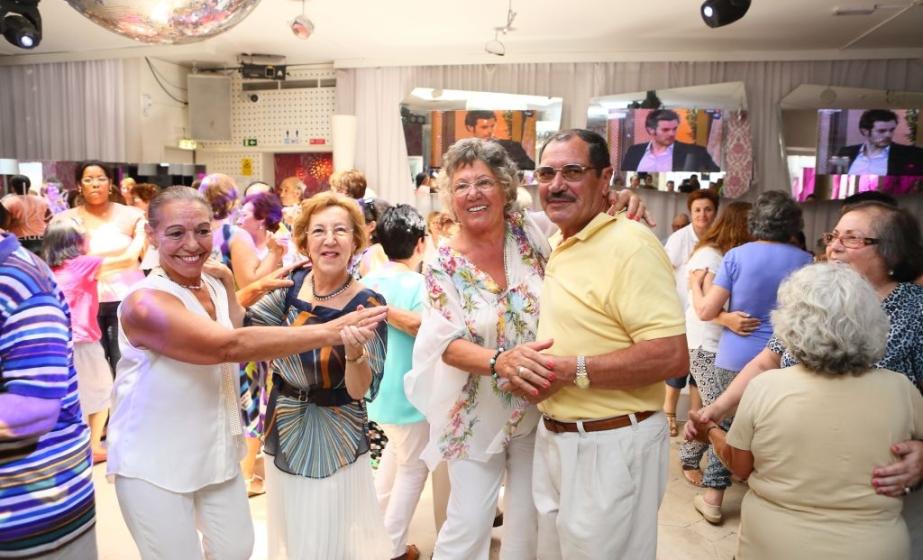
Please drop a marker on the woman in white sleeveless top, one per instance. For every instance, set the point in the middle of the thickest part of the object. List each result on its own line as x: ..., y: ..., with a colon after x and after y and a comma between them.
x: 175, y: 435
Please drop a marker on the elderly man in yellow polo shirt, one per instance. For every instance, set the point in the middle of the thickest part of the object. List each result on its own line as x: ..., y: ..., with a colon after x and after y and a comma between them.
x: 609, y: 303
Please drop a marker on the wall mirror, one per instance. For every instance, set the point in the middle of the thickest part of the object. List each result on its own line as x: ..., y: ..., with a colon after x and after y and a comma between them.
x: 839, y: 141
x: 433, y: 119
x: 698, y: 137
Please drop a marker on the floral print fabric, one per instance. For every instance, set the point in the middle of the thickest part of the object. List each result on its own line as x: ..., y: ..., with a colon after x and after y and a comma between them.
x: 470, y: 416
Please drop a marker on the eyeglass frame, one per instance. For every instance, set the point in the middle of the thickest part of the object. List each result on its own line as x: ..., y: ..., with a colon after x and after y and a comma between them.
x: 830, y: 236
x: 583, y: 170
x: 315, y: 232
x: 459, y: 189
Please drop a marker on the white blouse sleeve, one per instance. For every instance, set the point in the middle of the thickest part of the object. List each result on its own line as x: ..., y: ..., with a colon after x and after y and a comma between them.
x: 432, y: 386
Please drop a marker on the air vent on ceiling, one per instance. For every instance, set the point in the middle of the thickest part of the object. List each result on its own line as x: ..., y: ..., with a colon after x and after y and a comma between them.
x: 289, y: 84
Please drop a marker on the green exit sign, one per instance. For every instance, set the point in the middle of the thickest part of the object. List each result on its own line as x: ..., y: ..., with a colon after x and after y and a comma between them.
x: 250, y: 142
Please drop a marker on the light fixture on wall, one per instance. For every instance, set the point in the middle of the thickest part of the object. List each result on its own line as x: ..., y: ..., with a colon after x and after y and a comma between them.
x: 718, y: 13
x: 302, y: 27
x: 496, y: 46
x: 21, y: 23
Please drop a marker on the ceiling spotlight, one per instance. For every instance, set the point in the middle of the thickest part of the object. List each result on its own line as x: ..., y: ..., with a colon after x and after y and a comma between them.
x: 302, y: 27
x: 495, y: 47
x: 717, y: 13
x: 21, y: 23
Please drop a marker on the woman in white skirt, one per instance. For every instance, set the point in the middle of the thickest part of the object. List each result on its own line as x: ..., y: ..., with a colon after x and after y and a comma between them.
x: 64, y: 248
x: 175, y: 435
x: 321, y: 501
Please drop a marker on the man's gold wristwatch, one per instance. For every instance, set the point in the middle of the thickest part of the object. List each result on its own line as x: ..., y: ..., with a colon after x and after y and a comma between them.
x: 582, y: 379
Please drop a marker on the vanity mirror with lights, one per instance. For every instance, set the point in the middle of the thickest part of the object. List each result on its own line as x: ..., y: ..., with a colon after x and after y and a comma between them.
x: 839, y: 141
x: 698, y: 137
x: 433, y: 119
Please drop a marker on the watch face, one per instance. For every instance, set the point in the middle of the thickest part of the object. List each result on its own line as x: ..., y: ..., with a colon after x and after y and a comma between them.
x: 582, y: 381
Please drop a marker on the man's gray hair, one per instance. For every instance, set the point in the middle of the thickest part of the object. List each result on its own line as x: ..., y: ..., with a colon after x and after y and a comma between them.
x: 469, y: 150
x: 830, y: 319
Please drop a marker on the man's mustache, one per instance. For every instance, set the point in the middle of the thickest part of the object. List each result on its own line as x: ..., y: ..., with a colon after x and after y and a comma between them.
x: 562, y: 196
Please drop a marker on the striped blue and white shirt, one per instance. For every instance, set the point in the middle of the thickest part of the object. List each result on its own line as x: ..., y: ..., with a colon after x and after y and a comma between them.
x: 46, y: 489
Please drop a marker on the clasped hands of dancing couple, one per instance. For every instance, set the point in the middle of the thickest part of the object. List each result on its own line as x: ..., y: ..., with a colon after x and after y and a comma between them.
x: 529, y: 374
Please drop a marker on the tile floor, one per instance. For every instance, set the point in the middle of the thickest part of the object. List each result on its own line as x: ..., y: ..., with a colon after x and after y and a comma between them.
x: 683, y: 533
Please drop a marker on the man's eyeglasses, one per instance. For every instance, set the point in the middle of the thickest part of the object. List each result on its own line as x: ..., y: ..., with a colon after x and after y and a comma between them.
x: 849, y: 241
x: 483, y: 185
x: 570, y: 172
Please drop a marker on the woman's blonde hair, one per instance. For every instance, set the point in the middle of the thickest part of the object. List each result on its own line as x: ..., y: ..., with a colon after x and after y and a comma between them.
x: 221, y: 193
x: 322, y: 201
x: 729, y: 230
x: 350, y: 182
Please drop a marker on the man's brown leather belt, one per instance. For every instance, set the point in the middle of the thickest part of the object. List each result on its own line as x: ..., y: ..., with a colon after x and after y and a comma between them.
x: 595, y: 425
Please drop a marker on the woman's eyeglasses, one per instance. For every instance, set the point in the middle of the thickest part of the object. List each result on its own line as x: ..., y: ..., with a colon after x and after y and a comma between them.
x: 570, y: 172
x: 849, y: 241
x: 482, y: 185
x: 338, y: 232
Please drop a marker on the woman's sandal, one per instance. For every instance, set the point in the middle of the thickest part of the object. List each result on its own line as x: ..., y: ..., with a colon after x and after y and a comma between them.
x: 255, y: 486
x: 671, y: 421
x: 693, y: 476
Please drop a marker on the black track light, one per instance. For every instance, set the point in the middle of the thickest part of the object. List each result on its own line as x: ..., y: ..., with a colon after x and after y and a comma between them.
x: 717, y: 13
x: 21, y: 23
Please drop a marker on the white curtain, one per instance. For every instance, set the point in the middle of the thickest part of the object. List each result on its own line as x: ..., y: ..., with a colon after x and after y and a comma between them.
x: 63, y: 111
x: 373, y: 95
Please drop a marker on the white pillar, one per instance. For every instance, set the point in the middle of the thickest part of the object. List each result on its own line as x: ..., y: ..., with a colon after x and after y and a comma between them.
x: 344, y: 141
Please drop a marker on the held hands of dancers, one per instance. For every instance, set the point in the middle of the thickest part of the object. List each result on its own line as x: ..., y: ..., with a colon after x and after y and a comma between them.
x: 355, y: 329
x: 697, y: 428
x: 528, y: 373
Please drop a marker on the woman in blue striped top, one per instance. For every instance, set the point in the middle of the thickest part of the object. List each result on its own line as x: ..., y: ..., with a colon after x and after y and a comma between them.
x: 321, y: 500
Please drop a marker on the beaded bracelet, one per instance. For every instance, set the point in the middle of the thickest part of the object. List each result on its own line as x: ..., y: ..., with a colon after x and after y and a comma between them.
x: 492, y: 364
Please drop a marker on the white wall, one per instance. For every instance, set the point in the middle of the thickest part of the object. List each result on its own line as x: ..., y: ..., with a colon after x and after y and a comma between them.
x: 155, y: 121
x: 276, y: 115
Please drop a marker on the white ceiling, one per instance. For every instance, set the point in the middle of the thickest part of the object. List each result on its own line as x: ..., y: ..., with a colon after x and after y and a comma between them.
x: 375, y: 33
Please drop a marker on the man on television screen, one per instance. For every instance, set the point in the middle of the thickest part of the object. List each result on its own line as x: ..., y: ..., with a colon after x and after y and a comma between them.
x: 879, y: 154
x: 663, y: 152
x: 481, y: 125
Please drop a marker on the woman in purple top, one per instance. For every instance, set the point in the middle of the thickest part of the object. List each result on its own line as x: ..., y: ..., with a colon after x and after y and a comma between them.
x: 747, y: 281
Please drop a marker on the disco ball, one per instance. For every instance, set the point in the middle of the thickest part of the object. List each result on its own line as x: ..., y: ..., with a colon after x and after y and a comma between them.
x: 169, y: 22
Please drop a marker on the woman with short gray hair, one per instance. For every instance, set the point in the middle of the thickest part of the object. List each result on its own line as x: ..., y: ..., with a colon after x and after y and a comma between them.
x: 775, y: 217
x: 799, y: 438
x: 747, y: 281
x: 883, y: 244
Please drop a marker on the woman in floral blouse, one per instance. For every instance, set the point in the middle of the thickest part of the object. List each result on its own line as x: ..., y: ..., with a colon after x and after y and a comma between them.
x: 482, y: 313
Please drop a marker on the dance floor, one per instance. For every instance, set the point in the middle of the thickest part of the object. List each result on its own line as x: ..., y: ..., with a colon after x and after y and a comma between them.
x: 683, y: 533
